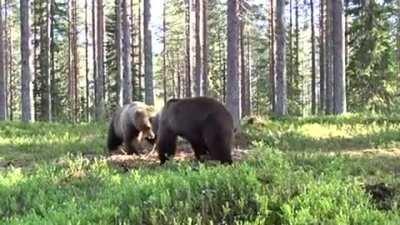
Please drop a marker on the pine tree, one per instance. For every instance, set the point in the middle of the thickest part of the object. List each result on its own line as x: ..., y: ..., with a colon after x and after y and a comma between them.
x: 281, y: 92
x: 233, y: 90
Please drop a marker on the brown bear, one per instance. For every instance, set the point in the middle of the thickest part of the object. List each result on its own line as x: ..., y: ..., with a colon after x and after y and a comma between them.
x: 129, y: 125
x: 204, y: 122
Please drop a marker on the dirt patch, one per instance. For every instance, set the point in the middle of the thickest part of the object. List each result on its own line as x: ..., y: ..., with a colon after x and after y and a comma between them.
x: 150, y: 158
x: 381, y: 195
x: 390, y: 152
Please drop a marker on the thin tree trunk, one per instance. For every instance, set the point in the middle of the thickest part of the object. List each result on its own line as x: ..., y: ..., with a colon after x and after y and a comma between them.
x: 10, y: 70
x: 134, y: 72
x: 204, y: 47
x: 290, y: 53
x: 26, y: 77
x: 248, y: 77
x: 296, y: 79
x: 281, y: 98
x: 338, y: 37
x: 6, y: 55
x: 322, y: 58
x: 188, y: 70
x: 313, y: 65
x: 126, y: 50
x: 94, y: 57
x: 148, y: 57
x: 329, y: 59
x: 164, y: 68
x: 45, y: 103
x: 272, y: 56
x: 140, y: 53
x: 118, y: 50
x: 242, y: 71
x: 179, y: 79
x: 100, y: 105
x: 3, y: 77
x: 87, y: 105
x: 233, y: 87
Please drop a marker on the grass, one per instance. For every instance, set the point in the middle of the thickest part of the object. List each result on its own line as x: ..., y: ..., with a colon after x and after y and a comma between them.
x: 301, y: 171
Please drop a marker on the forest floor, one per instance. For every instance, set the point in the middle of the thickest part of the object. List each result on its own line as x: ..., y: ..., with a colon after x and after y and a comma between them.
x: 319, y: 170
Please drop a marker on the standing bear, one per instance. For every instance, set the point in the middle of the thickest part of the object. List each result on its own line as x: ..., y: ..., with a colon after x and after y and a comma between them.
x: 203, y: 121
x: 128, y: 126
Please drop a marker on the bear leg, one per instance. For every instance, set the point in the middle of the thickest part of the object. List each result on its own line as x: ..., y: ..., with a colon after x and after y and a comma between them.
x: 129, y: 136
x: 219, y: 145
x: 113, y: 140
x: 199, y: 150
x: 166, y: 144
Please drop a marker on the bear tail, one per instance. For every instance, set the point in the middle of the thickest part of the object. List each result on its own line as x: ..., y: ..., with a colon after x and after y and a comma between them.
x: 113, y: 141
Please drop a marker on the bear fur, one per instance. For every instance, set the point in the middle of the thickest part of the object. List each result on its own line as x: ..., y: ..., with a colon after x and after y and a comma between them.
x: 128, y: 126
x: 204, y: 122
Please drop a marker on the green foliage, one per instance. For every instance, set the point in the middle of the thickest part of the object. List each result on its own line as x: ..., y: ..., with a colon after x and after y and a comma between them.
x: 301, y: 183
x: 373, y: 71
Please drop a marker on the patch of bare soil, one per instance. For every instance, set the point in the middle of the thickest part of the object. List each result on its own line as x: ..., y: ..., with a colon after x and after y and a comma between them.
x: 381, y: 195
x: 150, y: 157
x: 390, y: 152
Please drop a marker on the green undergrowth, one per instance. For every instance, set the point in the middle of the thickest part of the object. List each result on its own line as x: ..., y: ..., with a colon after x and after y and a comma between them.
x: 282, y: 181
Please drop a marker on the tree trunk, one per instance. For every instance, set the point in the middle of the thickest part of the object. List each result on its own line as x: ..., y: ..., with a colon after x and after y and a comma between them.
x: 140, y: 53
x: 164, y: 68
x: 3, y: 78
x: 148, y: 57
x: 188, y: 70
x: 233, y: 90
x: 118, y: 49
x: 281, y: 98
x: 296, y: 79
x: 272, y: 56
x: 100, y: 105
x: 242, y: 71
x: 45, y: 104
x: 6, y: 55
x: 339, y: 57
x: 204, y: 46
x: 126, y: 50
x: 329, y: 60
x: 87, y: 97
x: 94, y: 57
x: 313, y: 65
x: 321, y: 58
x: 248, y: 78
x: 26, y: 77
x: 195, y: 47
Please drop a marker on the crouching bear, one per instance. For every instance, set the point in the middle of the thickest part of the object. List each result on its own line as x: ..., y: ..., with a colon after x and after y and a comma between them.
x: 204, y: 122
x: 129, y: 125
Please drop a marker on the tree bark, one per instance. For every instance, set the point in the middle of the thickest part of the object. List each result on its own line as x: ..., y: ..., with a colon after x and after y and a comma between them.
x: 329, y: 60
x: 338, y: 37
x: 26, y: 77
x: 100, y: 105
x: 118, y: 50
x: 87, y: 97
x: 164, y: 54
x: 248, y: 78
x: 3, y: 78
x: 204, y: 47
x: 126, y: 50
x: 322, y: 58
x: 281, y: 92
x: 188, y: 70
x: 242, y: 70
x: 148, y: 57
x: 45, y: 104
x: 94, y: 57
x: 272, y: 56
x: 313, y: 65
x: 233, y: 89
